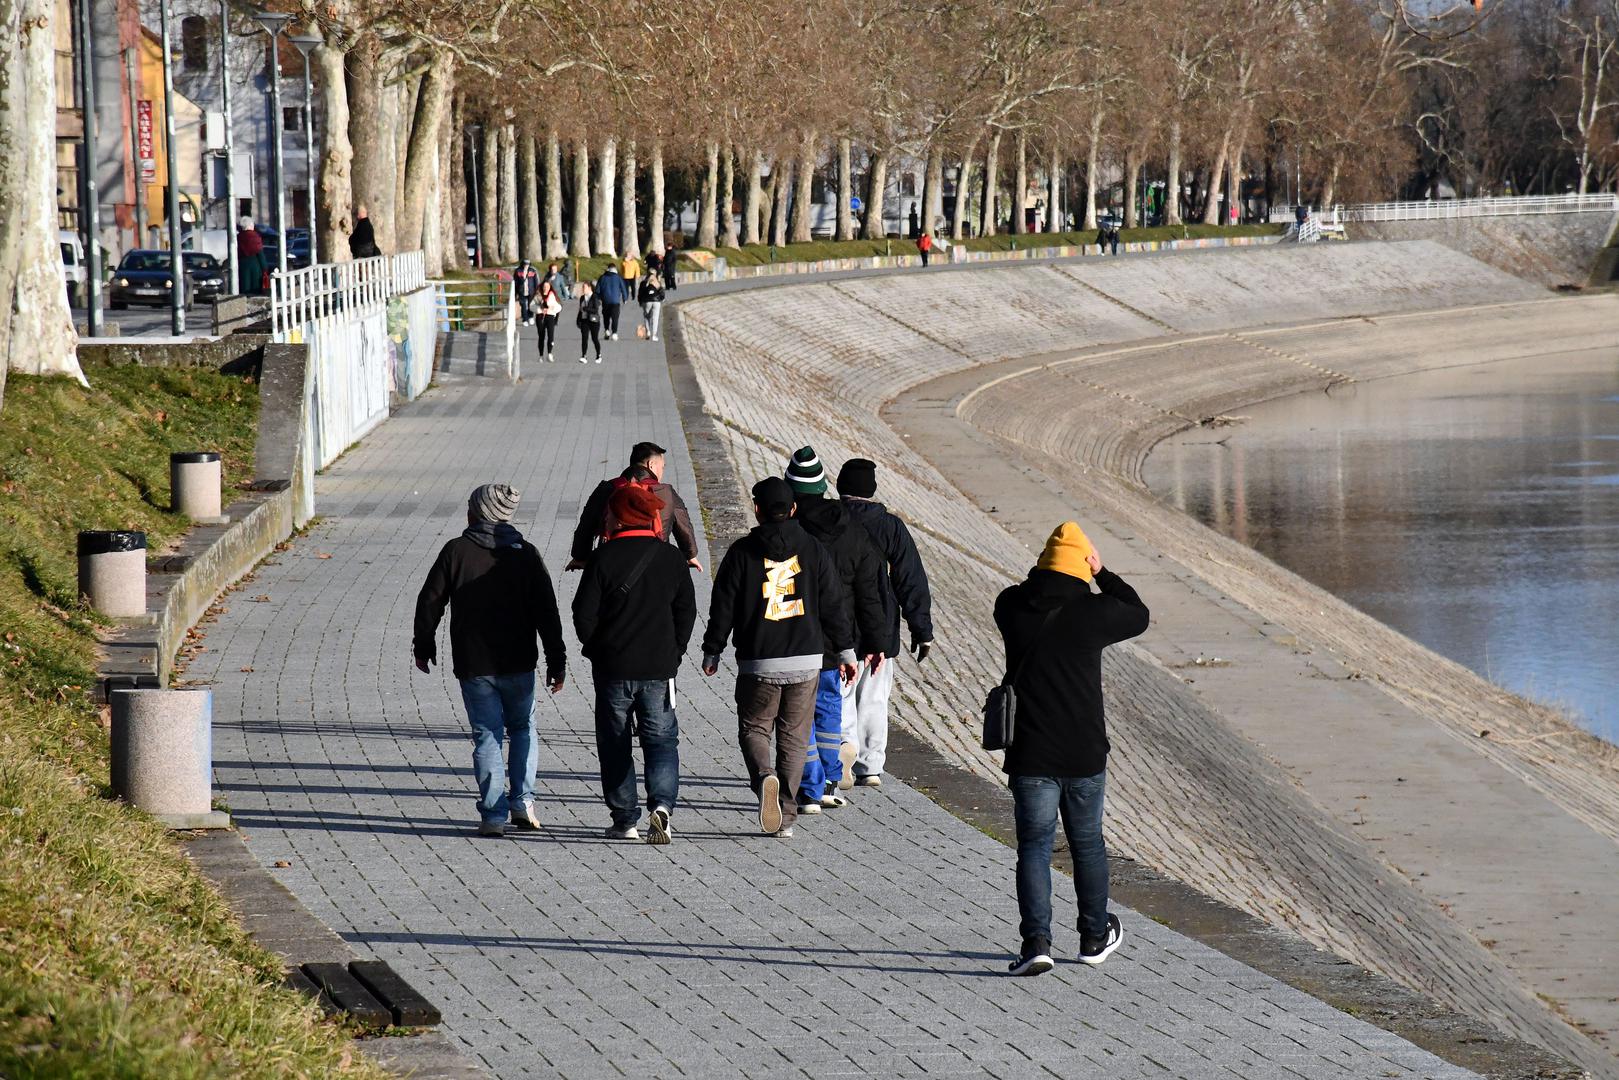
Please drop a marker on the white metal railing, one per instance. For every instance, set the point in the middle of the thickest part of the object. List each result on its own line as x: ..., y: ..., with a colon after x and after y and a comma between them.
x: 478, y: 304
x: 1441, y: 209
x: 300, y: 297
x: 514, y: 362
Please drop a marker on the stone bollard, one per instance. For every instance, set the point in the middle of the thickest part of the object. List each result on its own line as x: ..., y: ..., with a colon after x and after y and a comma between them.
x: 194, y: 486
x: 162, y: 755
x: 112, y: 572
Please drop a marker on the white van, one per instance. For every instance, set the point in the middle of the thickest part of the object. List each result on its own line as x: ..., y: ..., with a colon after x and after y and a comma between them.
x: 74, y: 272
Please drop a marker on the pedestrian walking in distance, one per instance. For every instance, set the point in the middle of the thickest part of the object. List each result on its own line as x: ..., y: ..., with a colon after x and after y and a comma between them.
x: 777, y: 591
x: 1055, y: 628
x: 904, y: 593
x: 860, y: 573
x: 499, y: 595
x: 550, y: 303
x: 610, y: 287
x: 596, y: 521
x: 924, y: 244
x: 526, y: 285
x: 632, y: 278
x: 363, y: 240
x: 634, y: 613
x: 651, y: 298
x: 589, y: 321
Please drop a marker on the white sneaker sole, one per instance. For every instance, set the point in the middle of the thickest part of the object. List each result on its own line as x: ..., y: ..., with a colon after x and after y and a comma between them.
x: 847, y: 752
x: 658, y: 830
x: 1101, y: 957
x: 1035, y: 965
x: 769, y: 805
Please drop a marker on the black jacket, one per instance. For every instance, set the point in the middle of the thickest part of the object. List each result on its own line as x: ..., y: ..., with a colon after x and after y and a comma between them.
x: 860, y: 569
x: 786, y: 614
x: 527, y: 281
x: 590, y: 310
x: 650, y: 291
x: 499, y: 600
x: 905, y: 585
x: 1061, y: 729
x: 641, y: 635
x: 593, y: 523
x: 363, y: 240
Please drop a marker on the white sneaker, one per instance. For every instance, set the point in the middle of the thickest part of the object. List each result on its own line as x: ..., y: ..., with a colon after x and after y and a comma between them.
x: 524, y: 817
x: 833, y: 801
x: 599, y: 359
x: 551, y: 358
x: 582, y: 360
x: 615, y: 337
x: 622, y: 832
x: 654, y: 337
x: 809, y: 808
x: 847, y: 752
x: 784, y: 833
x: 658, y: 829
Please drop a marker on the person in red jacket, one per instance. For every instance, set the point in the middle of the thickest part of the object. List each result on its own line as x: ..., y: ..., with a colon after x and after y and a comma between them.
x: 924, y: 244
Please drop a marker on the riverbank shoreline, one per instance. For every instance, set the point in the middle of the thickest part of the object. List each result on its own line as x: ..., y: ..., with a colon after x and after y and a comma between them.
x: 1389, y: 753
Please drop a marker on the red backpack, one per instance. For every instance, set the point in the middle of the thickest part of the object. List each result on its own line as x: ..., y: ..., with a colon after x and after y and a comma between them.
x: 649, y: 483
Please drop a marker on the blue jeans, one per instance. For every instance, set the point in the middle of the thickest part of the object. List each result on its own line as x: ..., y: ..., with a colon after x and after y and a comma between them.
x: 1036, y: 802
x: 501, y: 705
x: 643, y: 707
x: 822, y: 765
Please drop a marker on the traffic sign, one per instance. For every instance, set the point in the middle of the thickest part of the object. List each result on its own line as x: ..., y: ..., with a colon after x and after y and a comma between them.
x: 854, y: 203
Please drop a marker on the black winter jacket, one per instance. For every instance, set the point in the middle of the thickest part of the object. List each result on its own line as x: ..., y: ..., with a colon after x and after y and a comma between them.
x: 860, y: 569
x: 499, y: 599
x: 905, y: 585
x: 641, y: 635
x: 778, y: 591
x: 1061, y: 729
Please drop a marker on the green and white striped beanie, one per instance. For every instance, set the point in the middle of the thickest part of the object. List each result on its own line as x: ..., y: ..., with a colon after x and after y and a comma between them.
x: 804, y: 473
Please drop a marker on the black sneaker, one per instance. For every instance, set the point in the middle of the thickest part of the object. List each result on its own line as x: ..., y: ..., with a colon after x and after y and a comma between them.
x: 1034, y: 960
x: 1094, y: 955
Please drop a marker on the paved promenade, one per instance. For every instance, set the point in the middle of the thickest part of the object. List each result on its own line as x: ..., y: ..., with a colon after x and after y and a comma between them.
x: 873, y: 943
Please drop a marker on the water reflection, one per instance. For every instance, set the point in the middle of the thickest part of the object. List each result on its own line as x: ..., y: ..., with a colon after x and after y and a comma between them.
x: 1475, y: 509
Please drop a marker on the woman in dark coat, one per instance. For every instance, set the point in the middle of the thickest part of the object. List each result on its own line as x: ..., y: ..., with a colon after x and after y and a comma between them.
x: 249, y: 258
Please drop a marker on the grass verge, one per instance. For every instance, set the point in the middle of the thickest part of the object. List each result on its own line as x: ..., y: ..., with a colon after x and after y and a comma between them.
x: 117, y: 959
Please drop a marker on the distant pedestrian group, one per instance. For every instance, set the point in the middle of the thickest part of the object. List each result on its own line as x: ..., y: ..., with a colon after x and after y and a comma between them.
x: 812, y: 600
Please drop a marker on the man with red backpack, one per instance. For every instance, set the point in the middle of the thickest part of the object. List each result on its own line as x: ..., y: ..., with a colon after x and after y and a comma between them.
x: 646, y: 470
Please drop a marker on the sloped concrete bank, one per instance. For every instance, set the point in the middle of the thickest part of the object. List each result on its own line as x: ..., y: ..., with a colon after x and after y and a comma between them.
x: 1551, y: 249
x: 878, y: 366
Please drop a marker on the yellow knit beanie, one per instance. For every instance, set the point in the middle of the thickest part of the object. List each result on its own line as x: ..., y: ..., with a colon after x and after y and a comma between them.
x: 1066, y: 551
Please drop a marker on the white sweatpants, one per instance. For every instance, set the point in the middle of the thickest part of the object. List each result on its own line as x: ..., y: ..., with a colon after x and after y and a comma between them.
x: 865, y: 717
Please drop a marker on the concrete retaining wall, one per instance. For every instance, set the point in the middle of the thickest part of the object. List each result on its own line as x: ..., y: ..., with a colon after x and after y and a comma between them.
x: 1551, y: 249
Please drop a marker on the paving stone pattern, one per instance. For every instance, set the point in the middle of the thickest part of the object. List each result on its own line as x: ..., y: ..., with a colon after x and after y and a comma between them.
x: 1190, y: 795
x: 870, y: 944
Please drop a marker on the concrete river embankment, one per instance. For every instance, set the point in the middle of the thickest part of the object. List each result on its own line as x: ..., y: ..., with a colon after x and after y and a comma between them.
x: 1325, y: 773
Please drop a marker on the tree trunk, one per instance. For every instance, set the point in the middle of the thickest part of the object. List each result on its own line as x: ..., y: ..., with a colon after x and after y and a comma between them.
x: 769, y: 205
x: 421, y: 166
x: 579, y: 234
x: 707, y: 230
x: 402, y: 115
x: 1056, y: 220
x: 1211, y: 205
x: 454, y: 166
x: 992, y: 158
x: 781, y: 190
x: 373, y: 180
x: 751, y: 199
x: 1172, y: 186
x: 933, y: 191
x: 845, y: 191
x: 554, y: 248
x: 727, y: 197
x: 805, y: 190
x: 628, y: 228
x: 1331, y: 187
x: 876, y: 190
x: 433, y: 210
x: 335, y: 214
x: 489, y: 194
x: 528, y: 167
x: 964, y: 187
x: 510, y: 210
x: 36, y: 326
x: 1132, y: 167
x: 602, y: 204
x: 1093, y: 154
x: 1020, y: 185
x: 654, y: 215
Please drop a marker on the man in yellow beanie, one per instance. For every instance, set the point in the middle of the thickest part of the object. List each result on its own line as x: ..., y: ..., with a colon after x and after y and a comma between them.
x: 1055, y: 628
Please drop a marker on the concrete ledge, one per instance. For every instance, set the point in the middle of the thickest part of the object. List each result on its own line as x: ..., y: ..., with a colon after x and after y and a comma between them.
x: 213, y: 819
x: 236, y: 352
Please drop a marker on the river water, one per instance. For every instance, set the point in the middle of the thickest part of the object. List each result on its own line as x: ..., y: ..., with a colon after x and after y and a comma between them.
x: 1474, y: 509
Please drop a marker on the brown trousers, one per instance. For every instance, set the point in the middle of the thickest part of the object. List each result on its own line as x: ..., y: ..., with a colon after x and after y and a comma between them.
x: 788, y: 714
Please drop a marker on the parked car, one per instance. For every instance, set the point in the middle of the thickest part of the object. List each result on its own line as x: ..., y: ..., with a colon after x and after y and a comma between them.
x: 298, y: 248
x: 207, y: 275
x: 73, y: 268
x: 144, y: 276
x: 296, y: 259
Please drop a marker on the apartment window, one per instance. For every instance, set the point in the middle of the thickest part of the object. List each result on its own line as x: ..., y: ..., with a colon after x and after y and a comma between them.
x: 292, y: 119
x: 194, y: 42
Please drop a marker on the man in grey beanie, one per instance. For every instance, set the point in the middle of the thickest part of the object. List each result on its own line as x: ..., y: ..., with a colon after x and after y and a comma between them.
x: 500, y: 599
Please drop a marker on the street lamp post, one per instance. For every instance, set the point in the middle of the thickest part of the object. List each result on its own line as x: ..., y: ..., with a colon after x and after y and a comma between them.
x: 89, y: 196
x: 235, y: 284
x: 307, y: 44
x: 177, y: 265
x: 274, y: 22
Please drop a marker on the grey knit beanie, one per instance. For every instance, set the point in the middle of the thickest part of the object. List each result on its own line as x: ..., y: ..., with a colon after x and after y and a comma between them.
x: 804, y: 473
x: 493, y: 502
